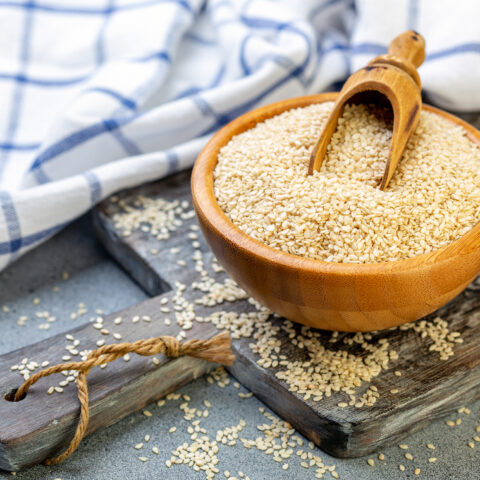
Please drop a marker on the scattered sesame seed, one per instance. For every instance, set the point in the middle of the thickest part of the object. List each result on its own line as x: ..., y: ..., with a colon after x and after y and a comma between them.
x: 245, y: 395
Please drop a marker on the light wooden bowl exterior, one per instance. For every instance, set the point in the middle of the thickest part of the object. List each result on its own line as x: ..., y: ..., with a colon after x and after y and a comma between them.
x: 331, y: 296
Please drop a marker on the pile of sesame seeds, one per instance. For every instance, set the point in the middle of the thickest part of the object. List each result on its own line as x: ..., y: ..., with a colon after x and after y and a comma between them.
x: 157, y: 216
x: 338, y: 214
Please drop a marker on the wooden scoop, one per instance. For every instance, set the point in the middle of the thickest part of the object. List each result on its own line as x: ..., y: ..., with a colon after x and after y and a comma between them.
x: 394, y: 77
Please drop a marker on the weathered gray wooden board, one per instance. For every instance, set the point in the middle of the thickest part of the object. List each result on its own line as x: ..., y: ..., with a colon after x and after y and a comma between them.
x: 429, y: 388
x: 41, y: 425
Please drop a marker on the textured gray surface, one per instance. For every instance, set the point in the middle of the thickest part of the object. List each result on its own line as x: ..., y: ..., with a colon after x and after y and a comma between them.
x: 96, y: 281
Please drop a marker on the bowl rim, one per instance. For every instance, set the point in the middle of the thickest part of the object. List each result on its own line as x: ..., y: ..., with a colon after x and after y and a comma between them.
x: 206, y: 206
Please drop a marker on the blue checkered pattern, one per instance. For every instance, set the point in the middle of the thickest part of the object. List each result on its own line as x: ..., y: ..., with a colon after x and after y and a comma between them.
x: 100, y: 95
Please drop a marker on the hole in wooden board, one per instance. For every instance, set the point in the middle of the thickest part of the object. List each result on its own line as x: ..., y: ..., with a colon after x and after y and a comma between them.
x: 9, y: 395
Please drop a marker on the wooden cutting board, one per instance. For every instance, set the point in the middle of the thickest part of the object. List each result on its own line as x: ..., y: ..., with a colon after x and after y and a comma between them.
x: 427, y: 388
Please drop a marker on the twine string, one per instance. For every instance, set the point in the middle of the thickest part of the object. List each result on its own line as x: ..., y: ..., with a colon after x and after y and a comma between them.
x: 216, y: 349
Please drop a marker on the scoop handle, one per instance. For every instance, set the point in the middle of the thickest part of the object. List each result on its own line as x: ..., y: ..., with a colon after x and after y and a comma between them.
x: 409, y: 45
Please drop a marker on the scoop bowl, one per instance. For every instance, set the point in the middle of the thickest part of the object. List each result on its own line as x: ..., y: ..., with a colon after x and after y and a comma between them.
x: 332, y: 296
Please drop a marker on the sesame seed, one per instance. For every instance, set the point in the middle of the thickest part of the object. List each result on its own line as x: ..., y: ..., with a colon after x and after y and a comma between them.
x: 245, y: 395
x: 143, y: 459
x: 147, y: 413
x: 172, y: 429
x: 416, y: 471
x: 371, y: 462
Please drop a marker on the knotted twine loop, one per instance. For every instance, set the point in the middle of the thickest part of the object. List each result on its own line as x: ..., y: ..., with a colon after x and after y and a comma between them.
x: 217, y: 350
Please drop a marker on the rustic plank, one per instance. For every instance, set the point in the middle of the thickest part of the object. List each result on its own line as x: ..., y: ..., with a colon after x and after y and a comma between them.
x: 42, y: 425
x: 428, y: 389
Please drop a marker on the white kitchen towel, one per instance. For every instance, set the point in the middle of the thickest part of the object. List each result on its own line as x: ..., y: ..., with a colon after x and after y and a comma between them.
x: 100, y: 95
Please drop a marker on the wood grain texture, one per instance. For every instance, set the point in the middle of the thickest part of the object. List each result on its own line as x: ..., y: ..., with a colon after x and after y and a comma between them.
x: 41, y: 425
x: 428, y: 388
x: 331, y: 296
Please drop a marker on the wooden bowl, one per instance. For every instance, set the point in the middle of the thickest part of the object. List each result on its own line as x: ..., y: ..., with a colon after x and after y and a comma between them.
x: 331, y: 296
